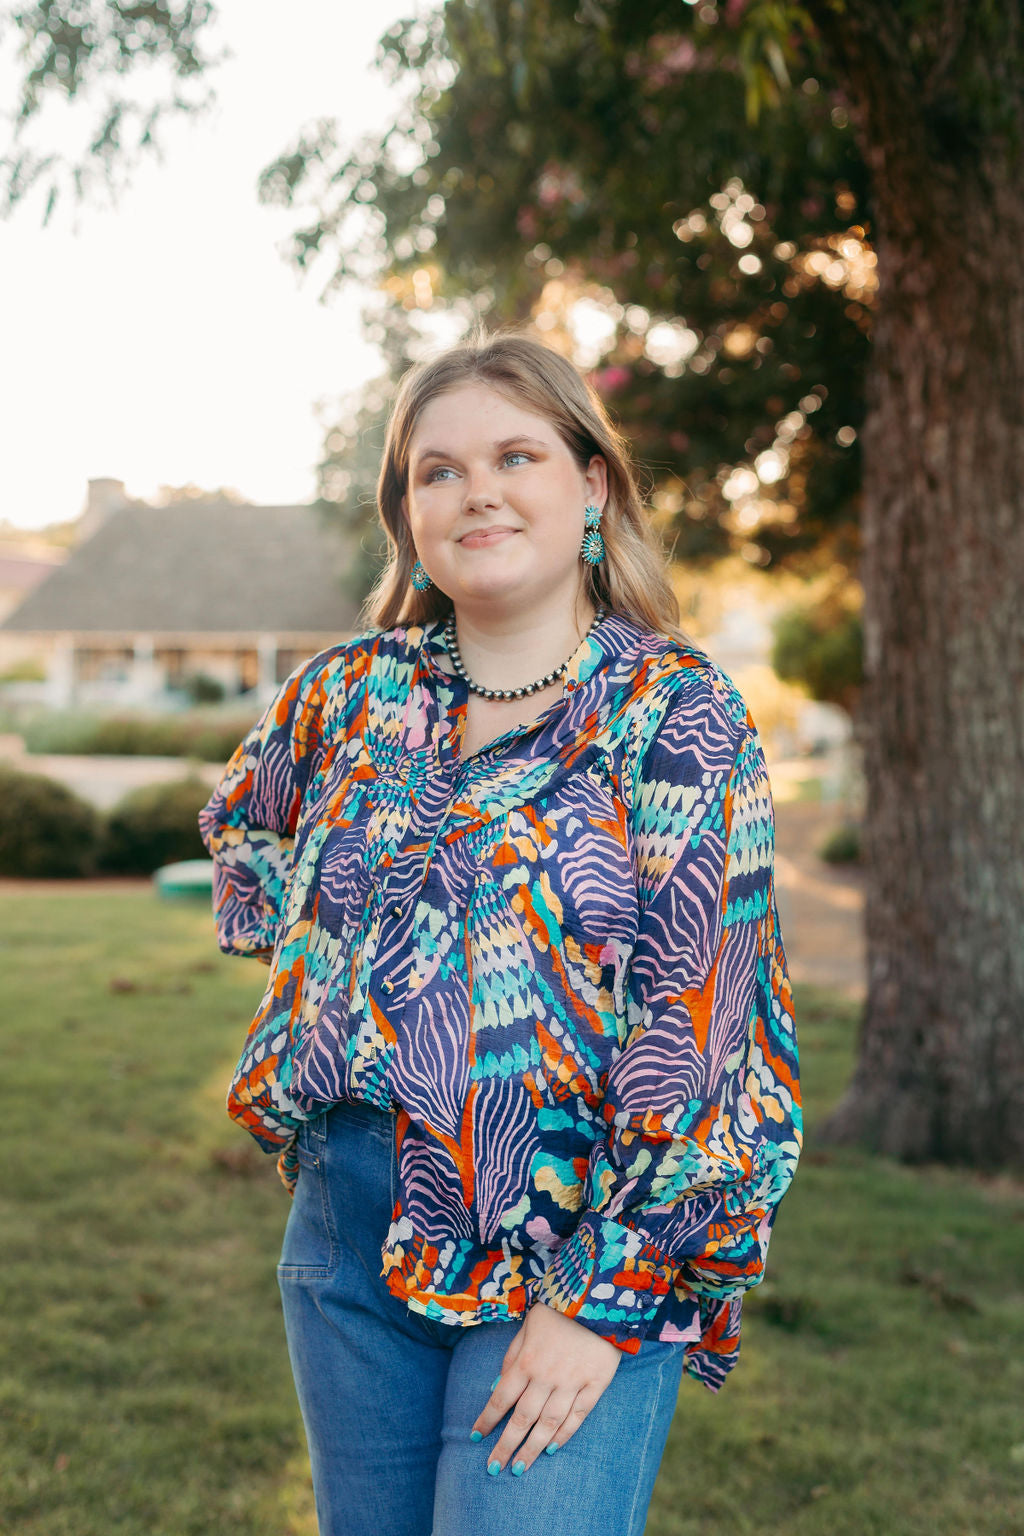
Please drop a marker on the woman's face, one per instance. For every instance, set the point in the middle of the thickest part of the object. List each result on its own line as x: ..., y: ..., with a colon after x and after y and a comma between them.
x: 481, y: 463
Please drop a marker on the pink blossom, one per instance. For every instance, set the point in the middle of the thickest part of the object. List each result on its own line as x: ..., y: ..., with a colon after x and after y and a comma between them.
x: 610, y: 379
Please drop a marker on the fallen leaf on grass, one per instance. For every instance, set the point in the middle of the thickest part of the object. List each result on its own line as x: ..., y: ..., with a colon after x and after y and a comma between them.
x: 125, y: 984
x: 240, y: 1161
x: 791, y: 1312
x: 934, y: 1282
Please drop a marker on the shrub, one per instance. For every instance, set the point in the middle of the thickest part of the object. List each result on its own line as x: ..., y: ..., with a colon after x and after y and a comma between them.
x: 822, y: 648
x: 133, y: 736
x: 186, y: 735
x: 155, y: 825
x: 28, y: 670
x: 52, y: 730
x: 46, y: 831
x: 842, y: 846
x: 213, y: 741
x: 203, y: 689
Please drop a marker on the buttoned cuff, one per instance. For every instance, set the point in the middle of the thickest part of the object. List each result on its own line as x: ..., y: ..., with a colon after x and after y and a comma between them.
x: 609, y: 1278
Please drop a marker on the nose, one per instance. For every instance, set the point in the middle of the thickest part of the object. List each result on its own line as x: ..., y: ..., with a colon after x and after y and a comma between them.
x: 482, y: 491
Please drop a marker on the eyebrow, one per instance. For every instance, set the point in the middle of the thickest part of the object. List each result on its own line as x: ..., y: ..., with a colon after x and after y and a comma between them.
x: 506, y: 442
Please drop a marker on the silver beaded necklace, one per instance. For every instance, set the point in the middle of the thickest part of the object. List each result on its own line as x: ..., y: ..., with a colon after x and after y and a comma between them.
x: 508, y: 693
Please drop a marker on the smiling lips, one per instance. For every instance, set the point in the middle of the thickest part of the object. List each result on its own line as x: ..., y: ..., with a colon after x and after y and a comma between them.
x: 486, y: 536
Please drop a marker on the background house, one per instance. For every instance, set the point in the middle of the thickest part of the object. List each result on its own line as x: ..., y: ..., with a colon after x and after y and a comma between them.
x: 25, y: 562
x: 150, y: 598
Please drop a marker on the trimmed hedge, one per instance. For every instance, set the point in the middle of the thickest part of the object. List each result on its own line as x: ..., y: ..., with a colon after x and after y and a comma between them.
x: 46, y: 831
x: 187, y: 735
x: 154, y: 825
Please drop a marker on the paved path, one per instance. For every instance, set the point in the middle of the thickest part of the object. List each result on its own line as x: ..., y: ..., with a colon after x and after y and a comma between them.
x: 820, y: 905
x: 103, y: 780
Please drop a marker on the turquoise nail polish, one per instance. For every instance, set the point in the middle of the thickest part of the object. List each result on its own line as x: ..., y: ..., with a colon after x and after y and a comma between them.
x: 549, y: 1450
x: 476, y: 1435
x: 494, y: 1383
x: 519, y: 1469
x: 494, y: 1468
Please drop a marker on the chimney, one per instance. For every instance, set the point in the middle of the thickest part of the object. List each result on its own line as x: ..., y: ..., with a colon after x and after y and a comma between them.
x: 104, y: 496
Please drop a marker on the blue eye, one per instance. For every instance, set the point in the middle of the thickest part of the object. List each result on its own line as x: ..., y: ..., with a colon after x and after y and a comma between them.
x: 433, y: 475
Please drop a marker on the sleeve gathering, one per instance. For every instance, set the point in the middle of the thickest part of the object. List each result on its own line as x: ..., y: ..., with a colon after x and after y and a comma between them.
x: 248, y: 824
x: 702, y: 1104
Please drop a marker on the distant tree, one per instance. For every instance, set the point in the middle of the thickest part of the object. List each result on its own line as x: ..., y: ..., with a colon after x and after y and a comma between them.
x: 348, y: 476
x: 170, y: 495
x: 594, y: 171
x: 81, y: 50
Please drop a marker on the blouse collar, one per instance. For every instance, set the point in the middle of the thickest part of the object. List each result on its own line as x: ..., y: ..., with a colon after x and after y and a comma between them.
x: 613, y: 638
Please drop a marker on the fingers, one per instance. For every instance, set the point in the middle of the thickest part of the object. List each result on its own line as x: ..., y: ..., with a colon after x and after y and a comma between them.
x: 528, y: 1412
x: 506, y: 1390
x: 541, y: 1422
x: 550, y: 1429
x: 553, y: 1373
x: 580, y: 1406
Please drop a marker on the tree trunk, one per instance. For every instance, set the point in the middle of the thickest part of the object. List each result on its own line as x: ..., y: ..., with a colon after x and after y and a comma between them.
x: 940, y: 1074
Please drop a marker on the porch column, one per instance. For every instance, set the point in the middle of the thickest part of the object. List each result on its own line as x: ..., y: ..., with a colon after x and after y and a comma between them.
x: 145, y: 686
x: 266, y: 650
x: 60, y: 677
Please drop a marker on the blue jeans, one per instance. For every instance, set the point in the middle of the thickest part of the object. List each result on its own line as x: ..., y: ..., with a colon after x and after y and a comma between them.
x: 388, y: 1397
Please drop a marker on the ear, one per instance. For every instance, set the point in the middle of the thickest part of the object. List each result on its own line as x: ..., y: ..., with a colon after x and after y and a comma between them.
x: 596, y: 477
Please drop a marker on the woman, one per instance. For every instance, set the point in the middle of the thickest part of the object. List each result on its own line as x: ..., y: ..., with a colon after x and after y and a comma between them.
x: 527, y: 1048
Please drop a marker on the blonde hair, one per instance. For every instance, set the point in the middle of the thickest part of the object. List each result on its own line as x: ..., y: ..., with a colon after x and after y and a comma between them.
x: 631, y: 580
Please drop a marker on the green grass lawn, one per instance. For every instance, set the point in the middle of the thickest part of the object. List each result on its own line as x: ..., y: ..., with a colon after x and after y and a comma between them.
x: 145, y: 1386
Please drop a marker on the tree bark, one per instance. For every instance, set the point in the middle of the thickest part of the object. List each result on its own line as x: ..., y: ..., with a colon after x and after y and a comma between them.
x: 940, y: 1071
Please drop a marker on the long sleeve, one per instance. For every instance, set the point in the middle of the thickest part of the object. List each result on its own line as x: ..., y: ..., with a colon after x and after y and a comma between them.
x: 248, y: 824
x: 702, y: 1104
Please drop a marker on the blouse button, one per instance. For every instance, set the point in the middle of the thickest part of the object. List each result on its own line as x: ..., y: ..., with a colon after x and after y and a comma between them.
x: 396, y: 910
x: 387, y: 986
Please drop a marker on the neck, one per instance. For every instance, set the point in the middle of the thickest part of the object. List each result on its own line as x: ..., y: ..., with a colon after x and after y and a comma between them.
x: 511, y: 652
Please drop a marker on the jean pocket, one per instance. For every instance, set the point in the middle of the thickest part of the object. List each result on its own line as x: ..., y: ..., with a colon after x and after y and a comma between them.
x: 309, y: 1250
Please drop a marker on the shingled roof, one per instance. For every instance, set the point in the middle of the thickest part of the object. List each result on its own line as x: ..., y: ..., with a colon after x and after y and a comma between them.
x: 197, y: 567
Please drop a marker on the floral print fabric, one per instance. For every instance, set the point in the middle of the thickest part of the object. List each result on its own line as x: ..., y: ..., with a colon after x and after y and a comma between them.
x: 557, y: 961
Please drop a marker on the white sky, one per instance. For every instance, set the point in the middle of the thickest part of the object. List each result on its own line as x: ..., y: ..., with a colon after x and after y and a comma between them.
x: 167, y: 341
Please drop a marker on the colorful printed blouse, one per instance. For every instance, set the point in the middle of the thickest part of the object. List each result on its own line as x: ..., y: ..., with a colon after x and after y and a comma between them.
x: 557, y: 961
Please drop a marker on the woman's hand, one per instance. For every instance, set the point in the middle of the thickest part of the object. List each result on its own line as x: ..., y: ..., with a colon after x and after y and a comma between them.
x: 553, y: 1373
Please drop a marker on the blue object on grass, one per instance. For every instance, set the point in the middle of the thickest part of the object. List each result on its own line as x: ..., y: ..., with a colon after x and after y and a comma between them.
x: 187, y: 879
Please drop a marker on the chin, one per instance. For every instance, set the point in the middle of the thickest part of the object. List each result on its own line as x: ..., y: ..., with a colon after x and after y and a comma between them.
x: 495, y: 586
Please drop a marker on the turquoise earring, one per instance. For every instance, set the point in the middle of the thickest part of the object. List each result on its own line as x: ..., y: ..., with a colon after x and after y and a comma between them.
x: 593, y: 545
x: 420, y: 579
